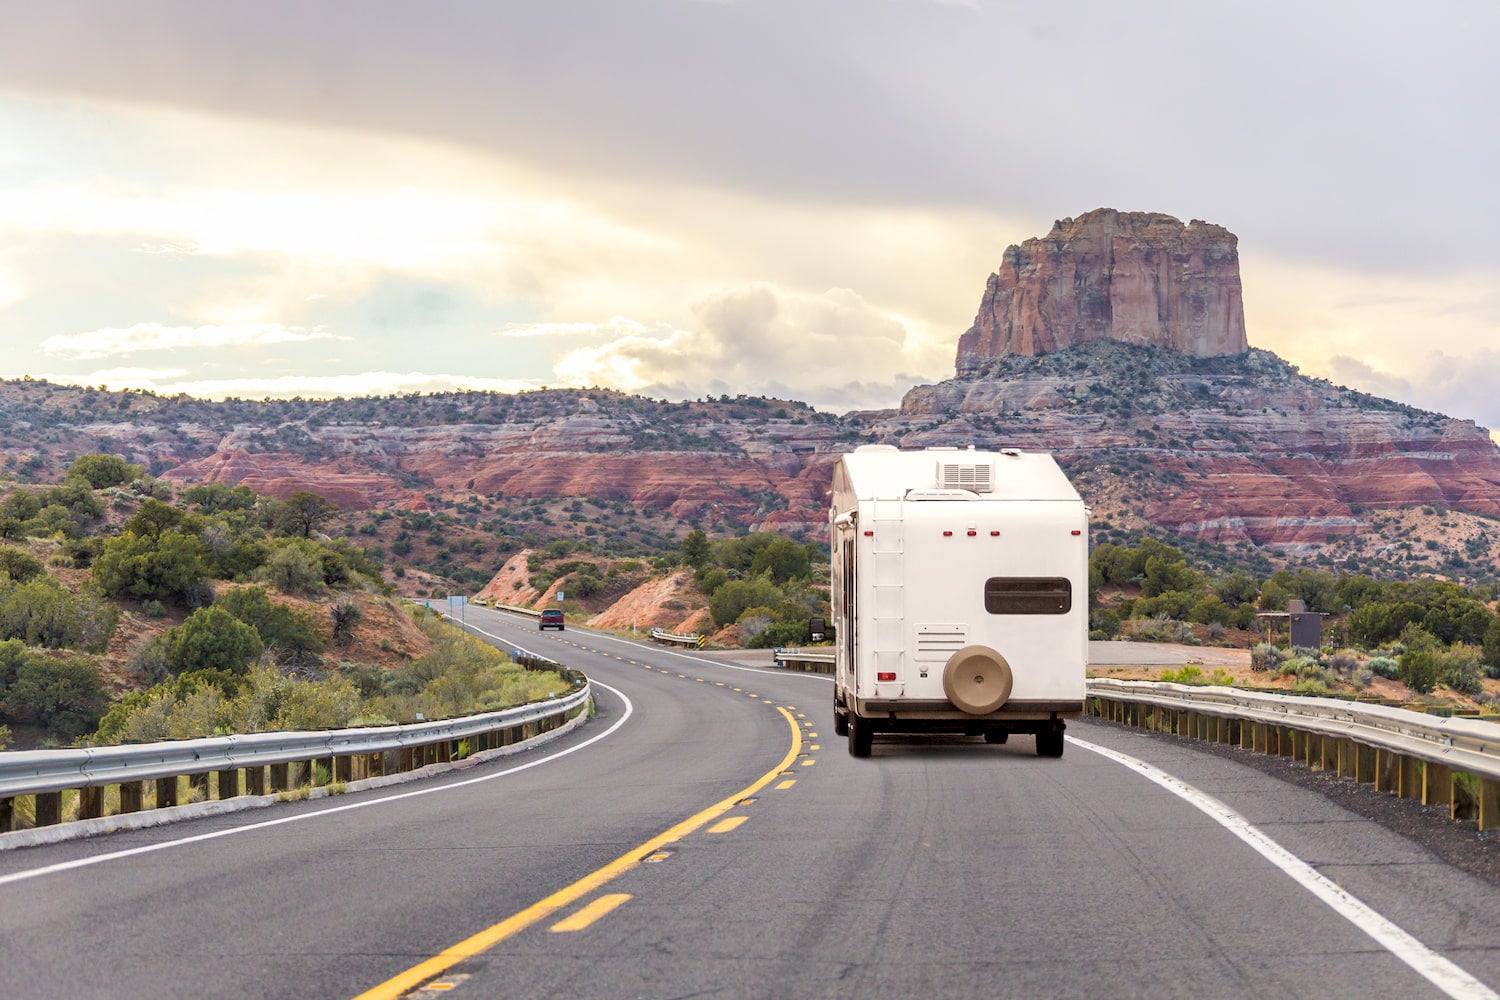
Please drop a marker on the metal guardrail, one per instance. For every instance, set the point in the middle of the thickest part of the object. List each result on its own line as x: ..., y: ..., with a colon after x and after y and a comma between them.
x: 1397, y: 750
x: 350, y: 754
x: 514, y: 607
x: 692, y: 639
x: 812, y: 661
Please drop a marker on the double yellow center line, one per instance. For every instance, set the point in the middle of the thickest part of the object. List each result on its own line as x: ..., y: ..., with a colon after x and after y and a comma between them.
x: 491, y: 936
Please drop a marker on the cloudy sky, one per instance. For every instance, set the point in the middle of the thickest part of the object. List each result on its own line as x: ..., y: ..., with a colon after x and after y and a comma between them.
x: 684, y: 197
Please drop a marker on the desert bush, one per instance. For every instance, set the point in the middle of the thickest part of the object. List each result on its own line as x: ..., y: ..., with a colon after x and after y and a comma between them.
x: 292, y: 636
x: 212, y: 638
x: 64, y: 695
x: 19, y: 566
x: 169, y: 566
x: 44, y: 613
x: 294, y: 569
x: 1383, y: 666
x: 1264, y: 656
x: 732, y: 599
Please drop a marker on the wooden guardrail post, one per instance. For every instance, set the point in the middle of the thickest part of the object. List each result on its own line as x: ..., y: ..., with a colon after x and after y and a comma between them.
x: 1489, y: 803
x: 166, y: 792
x: 132, y: 796
x: 255, y: 780
x: 1382, y: 773
x: 279, y: 777
x: 1437, y: 784
x: 198, y: 787
x: 1409, y: 778
x: 229, y: 783
x: 91, y: 802
x: 7, y: 815
x: 1346, y: 758
x: 48, y: 808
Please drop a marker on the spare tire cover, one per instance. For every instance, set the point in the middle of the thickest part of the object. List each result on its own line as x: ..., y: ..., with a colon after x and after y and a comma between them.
x: 977, y: 680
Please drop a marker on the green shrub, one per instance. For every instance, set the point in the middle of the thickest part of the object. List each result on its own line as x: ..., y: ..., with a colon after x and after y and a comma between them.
x: 19, y: 566
x: 169, y: 566
x: 1383, y: 666
x: 65, y: 695
x: 44, y: 613
x: 732, y: 599
x: 212, y: 638
x: 1264, y: 656
x: 1188, y: 674
x: 291, y: 635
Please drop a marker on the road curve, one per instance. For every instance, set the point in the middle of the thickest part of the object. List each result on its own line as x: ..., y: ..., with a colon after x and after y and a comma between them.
x: 938, y: 866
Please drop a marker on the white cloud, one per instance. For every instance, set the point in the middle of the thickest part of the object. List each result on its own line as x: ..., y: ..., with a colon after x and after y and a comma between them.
x: 618, y: 326
x: 1458, y: 386
x: 833, y: 349
x: 156, y: 337
x: 11, y: 289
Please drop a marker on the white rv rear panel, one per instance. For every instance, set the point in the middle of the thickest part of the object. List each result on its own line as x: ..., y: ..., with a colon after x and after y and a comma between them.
x: 939, y: 551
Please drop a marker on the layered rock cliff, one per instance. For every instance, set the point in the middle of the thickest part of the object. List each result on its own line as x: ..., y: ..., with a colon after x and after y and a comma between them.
x: 1135, y: 277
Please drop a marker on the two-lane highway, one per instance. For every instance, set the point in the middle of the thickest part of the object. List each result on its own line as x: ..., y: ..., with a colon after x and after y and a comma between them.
x: 938, y: 866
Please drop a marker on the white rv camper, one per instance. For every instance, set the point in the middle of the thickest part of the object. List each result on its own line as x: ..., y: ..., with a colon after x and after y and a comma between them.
x: 960, y: 595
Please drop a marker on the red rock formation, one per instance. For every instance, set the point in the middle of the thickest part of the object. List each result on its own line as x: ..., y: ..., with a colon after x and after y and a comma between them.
x: 279, y: 475
x: 1136, y: 277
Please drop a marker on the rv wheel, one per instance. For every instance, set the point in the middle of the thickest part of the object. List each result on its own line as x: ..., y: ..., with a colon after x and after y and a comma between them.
x: 1049, y: 743
x: 860, y: 736
x: 841, y: 723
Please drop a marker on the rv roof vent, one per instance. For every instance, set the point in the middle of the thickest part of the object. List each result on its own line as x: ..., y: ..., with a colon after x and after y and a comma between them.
x: 978, y: 477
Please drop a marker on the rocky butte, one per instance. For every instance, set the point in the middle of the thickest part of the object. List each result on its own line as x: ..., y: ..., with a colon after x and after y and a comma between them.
x: 1118, y: 342
x: 1134, y: 277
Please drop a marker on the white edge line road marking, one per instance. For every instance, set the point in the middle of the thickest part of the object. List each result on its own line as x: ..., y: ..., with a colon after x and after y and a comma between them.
x: 1428, y: 964
x: 686, y: 656
x: 148, y: 848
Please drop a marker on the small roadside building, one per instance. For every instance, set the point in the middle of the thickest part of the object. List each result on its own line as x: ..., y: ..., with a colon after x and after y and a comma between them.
x: 1306, y: 627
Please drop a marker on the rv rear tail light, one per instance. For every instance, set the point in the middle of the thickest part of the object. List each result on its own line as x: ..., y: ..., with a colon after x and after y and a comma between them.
x: 947, y: 534
x: 1077, y: 532
x: 886, y: 675
x: 994, y: 534
x: 869, y: 534
x: 973, y: 533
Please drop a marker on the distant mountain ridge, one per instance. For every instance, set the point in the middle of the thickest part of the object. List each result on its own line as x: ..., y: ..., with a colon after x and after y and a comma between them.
x: 1116, y: 342
x: 1236, y: 449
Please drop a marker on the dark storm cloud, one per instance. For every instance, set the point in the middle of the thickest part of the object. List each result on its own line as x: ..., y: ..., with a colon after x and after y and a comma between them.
x: 1355, y: 133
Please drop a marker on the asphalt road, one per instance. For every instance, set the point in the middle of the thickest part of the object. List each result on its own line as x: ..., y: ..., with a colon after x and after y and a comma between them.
x: 942, y: 867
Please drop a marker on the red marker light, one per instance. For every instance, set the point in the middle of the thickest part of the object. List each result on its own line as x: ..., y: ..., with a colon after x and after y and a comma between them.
x: 994, y: 534
x: 886, y: 675
x: 1077, y: 532
x: 947, y: 534
x: 972, y: 533
x: 869, y: 534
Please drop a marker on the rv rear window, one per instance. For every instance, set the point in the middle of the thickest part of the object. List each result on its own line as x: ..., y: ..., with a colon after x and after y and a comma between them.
x: 1027, y: 595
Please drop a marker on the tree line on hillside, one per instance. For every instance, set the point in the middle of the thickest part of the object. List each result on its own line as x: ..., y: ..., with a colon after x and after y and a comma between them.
x: 1425, y: 631
x: 768, y: 584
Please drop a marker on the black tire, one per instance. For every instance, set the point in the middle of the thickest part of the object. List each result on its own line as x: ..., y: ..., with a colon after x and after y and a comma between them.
x: 996, y: 736
x: 1049, y: 743
x: 860, y: 736
x: 841, y: 723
